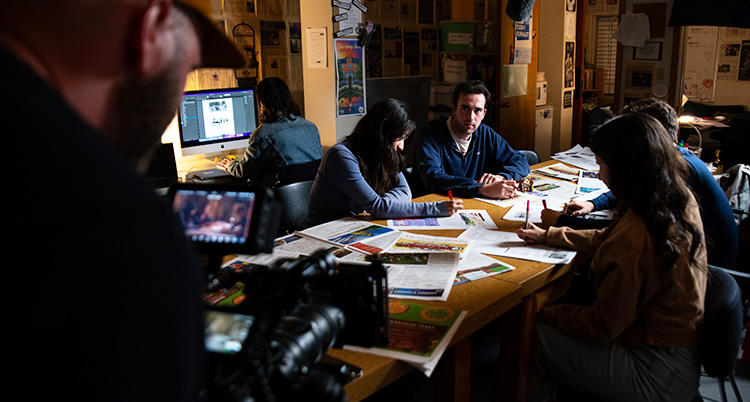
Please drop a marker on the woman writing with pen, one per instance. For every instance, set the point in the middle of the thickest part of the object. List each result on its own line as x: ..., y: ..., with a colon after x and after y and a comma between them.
x: 637, y: 339
x: 362, y: 173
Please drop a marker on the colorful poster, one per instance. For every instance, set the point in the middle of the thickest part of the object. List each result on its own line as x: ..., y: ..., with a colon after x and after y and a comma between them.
x: 350, y: 66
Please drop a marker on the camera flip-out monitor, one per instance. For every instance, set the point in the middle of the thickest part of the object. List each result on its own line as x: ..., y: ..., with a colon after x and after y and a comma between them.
x: 227, y: 219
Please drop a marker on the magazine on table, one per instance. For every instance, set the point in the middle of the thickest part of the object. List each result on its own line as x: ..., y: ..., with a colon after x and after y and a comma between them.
x: 558, y: 171
x: 477, y: 266
x: 425, y: 276
x: 419, y: 334
x: 347, y: 231
x: 460, y: 220
x: 410, y: 242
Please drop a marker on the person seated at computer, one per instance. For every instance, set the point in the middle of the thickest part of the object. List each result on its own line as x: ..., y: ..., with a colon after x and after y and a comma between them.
x: 716, y: 214
x: 283, y: 138
x: 460, y: 154
x: 637, y: 340
x: 363, y: 173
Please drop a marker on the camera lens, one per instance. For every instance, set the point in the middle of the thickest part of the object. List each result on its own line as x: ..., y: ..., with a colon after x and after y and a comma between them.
x: 303, y: 336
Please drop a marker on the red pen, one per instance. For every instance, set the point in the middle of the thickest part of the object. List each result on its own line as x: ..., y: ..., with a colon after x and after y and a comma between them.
x: 527, y: 214
x: 450, y: 195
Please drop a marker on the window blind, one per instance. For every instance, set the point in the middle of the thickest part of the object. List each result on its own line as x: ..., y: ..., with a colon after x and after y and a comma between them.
x: 606, y: 50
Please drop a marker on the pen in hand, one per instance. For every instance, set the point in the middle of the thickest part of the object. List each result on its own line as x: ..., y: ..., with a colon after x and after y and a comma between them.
x: 527, y: 214
x: 544, y: 203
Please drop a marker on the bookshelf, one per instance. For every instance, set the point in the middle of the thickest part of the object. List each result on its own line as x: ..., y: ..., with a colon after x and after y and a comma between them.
x: 593, y: 81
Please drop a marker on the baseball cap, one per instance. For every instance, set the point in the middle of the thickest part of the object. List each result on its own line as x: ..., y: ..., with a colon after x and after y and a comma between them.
x: 217, y: 50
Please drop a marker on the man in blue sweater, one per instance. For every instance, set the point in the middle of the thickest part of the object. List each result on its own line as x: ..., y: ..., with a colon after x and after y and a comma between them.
x: 460, y: 154
x: 718, y: 221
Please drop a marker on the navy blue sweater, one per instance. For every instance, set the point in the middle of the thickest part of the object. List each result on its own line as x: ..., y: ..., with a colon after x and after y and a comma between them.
x: 442, y: 167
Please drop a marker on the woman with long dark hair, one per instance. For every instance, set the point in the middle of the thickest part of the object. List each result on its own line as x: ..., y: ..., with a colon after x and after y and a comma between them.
x: 637, y: 340
x: 282, y: 139
x: 362, y: 173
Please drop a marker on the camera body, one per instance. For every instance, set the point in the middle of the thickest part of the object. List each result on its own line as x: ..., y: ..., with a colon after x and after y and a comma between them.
x: 269, y: 343
x: 266, y: 345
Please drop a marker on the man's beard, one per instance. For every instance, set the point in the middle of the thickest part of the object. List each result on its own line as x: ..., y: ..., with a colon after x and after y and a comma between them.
x: 143, y: 109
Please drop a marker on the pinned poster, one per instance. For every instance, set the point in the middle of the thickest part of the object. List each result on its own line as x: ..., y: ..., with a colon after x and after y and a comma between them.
x: 350, y: 77
x: 522, y: 33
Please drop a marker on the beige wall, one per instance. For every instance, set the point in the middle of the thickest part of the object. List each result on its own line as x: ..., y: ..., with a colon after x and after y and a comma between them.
x: 319, y: 83
x: 552, y: 63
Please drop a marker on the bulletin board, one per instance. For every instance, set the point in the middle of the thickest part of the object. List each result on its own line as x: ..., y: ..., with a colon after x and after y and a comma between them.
x: 700, y: 62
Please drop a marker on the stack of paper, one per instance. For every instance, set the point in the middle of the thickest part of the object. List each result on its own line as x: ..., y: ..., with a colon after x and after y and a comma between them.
x: 579, y: 156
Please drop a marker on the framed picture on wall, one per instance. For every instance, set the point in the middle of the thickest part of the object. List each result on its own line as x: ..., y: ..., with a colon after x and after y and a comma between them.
x: 650, y: 51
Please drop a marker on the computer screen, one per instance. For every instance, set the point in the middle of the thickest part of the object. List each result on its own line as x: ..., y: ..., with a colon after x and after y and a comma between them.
x: 216, y: 120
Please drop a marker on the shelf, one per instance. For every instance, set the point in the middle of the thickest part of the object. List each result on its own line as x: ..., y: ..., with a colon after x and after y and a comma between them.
x: 593, y: 81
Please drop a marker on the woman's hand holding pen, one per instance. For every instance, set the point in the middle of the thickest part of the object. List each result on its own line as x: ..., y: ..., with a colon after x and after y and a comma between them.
x: 533, y: 235
x: 452, y: 205
x: 549, y: 217
x: 576, y: 208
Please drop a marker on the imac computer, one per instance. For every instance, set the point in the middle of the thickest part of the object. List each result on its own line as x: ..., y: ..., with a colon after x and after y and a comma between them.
x: 214, y: 121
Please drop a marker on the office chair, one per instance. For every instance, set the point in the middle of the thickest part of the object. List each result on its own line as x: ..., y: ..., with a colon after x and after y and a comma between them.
x: 720, y: 338
x: 296, y: 173
x: 530, y: 155
x: 294, y: 199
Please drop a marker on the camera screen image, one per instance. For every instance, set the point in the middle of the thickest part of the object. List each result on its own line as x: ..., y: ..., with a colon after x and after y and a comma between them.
x: 226, y: 332
x: 215, y: 216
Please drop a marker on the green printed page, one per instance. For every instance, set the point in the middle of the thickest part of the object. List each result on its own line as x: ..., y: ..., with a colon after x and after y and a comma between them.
x: 419, y: 330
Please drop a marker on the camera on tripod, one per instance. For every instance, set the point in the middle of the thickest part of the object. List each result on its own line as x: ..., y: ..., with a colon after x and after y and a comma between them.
x: 267, y: 344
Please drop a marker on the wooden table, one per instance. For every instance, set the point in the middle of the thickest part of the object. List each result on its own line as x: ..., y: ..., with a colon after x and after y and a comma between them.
x: 514, y: 296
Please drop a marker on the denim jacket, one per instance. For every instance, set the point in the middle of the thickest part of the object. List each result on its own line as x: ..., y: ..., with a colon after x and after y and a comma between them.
x: 275, y: 145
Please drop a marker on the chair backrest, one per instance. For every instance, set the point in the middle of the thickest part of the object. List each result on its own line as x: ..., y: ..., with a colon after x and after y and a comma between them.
x: 296, y: 173
x: 530, y: 155
x: 294, y: 199
x: 720, y: 338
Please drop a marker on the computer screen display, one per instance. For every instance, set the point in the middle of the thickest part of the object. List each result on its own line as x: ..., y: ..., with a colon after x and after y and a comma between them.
x: 216, y: 120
